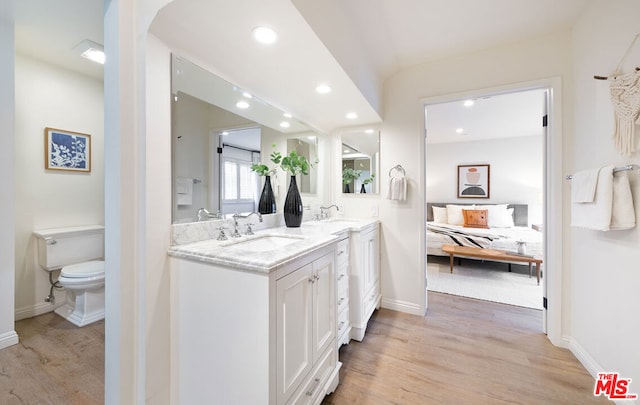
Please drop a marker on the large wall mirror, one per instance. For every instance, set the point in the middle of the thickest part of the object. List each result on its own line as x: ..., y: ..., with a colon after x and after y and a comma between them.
x: 218, y: 131
x: 361, y: 161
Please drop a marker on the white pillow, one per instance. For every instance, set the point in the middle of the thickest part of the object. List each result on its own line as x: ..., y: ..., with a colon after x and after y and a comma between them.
x: 439, y: 215
x: 454, y: 213
x: 498, y: 215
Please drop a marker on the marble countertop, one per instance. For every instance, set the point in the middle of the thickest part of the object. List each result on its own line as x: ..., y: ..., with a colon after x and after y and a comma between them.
x: 233, y: 253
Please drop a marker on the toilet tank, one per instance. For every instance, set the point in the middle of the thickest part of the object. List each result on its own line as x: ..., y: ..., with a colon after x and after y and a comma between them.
x: 63, y: 246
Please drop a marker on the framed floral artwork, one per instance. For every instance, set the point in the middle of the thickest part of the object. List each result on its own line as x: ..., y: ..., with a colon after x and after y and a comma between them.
x: 473, y: 181
x: 67, y: 150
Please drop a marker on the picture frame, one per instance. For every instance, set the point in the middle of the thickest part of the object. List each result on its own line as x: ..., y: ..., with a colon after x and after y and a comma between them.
x: 474, y: 181
x: 67, y: 150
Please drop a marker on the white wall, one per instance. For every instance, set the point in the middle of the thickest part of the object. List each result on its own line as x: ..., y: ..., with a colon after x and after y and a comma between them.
x: 49, y: 96
x: 516, y: 171
x: 604, y: 265
x: 8, y: 335
x: 402, y: 133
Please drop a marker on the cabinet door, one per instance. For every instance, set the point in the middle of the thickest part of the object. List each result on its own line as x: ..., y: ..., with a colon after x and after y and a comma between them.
x: 294, y: 334
x: 324, y: 305
x: 370, y: 259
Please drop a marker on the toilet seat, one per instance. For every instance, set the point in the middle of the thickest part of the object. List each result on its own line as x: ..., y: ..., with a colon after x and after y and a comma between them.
x: 92, y: 270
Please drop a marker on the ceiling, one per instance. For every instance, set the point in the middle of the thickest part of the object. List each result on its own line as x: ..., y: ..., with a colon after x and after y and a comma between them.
x: 391, y: 35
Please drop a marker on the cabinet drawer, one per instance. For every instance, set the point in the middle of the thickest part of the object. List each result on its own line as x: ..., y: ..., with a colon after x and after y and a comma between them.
x: 310, y: 389
x: 370, y: 299
x: 342, y: 252
x: 343, y: 325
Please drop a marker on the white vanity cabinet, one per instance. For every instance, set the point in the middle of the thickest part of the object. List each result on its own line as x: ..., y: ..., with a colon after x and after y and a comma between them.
x: 364, y: 280
x: 343, y: 326
x: 250, y: 337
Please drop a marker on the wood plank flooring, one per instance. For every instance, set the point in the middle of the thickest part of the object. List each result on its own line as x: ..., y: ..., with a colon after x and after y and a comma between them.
x: 55, y: 363
x: 464, y: 351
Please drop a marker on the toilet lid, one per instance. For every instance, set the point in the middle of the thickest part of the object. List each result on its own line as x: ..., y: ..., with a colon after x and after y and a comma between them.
x: 86, y: 269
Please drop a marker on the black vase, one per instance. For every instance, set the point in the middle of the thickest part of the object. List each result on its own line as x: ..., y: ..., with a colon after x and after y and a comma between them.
x: 267, y: 203
x: 362, y: 190
x: 293, y: 205
x: 346, y: 188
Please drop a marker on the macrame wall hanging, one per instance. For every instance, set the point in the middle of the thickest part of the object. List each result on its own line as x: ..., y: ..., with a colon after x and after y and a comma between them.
x: 624, y: 91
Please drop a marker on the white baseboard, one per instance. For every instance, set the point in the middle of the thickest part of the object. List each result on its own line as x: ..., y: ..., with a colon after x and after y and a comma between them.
x: 38, y: 309
x: 402, y: 306
x: 8, y: 339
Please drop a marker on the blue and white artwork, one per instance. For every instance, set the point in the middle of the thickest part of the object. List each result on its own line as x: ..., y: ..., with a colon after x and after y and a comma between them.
x: 68, y: 150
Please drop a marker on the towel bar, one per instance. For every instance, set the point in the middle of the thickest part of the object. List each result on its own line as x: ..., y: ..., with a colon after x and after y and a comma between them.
x: 616, y: 169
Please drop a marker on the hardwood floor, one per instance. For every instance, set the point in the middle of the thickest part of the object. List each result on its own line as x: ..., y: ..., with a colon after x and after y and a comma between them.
x: 54, y: 363
x: 464, y: 351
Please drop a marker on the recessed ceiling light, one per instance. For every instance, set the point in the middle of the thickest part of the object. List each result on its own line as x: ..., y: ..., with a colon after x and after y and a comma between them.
x: 311, y: 138
x: 285, y: 124
x: 247, y: 94
x: 346, y: 151
x: 242, y: 104
x: 368, y: 131
x: 91, y: 50
x: 224, y: 133
x: 287, y: 115
x: 323, y: 89
x: 468, y: 103
x: 459, y: 131
x: 352, y: 116
x: 264, y: 35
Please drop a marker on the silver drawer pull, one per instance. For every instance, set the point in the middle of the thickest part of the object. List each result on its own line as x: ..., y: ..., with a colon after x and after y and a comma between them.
x: 340, y: 301
x: 340, y: 325
x: 315, y: 385
x: 341, y: 252
x: 51, y: 242
x: 341, y: 277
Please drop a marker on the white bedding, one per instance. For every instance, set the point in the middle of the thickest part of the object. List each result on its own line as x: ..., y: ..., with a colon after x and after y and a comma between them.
x: 507, y: 238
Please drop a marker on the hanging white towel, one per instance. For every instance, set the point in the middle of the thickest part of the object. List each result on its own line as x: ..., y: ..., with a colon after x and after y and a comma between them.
x: 612, y: 206
x: 583, y: 186
x: 184, y: 191
x: 623, y: 215
x: 397, y: 189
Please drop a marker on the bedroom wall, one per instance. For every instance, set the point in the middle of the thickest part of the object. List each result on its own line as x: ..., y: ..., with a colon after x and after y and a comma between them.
x: 401, y: 139
x: 516, y: 171
x: 49, y: 96
x: 604, y: 265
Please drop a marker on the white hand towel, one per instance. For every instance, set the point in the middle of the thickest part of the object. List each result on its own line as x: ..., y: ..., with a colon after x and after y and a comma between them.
x: 623, y: 215
x: 184, y: 191
x: 596, y: 214
x: 583, y: 186
x: 397, y: 189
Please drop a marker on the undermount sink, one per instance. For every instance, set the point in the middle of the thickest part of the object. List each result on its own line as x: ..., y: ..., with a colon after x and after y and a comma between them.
x: 264, y: 243
x: 346, y: 221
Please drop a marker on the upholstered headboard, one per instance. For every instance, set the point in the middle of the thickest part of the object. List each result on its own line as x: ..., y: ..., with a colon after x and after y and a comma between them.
x: 520, y: 212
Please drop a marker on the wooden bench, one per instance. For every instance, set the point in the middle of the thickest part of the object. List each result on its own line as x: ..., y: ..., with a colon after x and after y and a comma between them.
x: 491, y: 254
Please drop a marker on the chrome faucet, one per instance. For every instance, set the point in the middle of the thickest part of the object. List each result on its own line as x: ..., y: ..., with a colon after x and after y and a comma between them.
x: 236, y: 233
x: 324, y: 211
x: 203, y: 214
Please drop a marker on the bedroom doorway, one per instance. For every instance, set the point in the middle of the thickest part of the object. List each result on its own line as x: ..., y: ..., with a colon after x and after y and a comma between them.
x: 500, y: 135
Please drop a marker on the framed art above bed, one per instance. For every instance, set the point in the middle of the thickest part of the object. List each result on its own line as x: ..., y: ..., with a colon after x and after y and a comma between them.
x: 473, y: 181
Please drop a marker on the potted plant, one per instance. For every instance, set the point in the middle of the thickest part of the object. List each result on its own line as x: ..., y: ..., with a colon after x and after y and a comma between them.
x: 267, y: 203
x: 349, y: 175
x: 366, y: 181
x: 294, y: 164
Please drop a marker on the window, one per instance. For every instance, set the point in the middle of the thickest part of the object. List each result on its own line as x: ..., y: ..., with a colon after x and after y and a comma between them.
x: 239, y: 181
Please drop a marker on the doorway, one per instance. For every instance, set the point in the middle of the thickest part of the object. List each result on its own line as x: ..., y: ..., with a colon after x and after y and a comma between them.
x: 542, y: 194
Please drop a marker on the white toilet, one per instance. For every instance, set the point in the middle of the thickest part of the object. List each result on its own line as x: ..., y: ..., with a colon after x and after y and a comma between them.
x: 78, y: 252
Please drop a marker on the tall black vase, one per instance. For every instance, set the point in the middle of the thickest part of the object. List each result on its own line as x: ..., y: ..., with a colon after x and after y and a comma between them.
x: 363, y: 190
x: 267, y: 203
x: 346, y: 188
x: 293, y: 205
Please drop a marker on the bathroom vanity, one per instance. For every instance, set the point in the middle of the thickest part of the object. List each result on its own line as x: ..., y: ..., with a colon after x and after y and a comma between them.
x: 260, y: 319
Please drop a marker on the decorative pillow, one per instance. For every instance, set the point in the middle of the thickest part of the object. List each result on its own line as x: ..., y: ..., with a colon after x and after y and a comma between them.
x: 439, y: 215
x: 499, y: 215
x: 454, y: 213
x: 475, y: 218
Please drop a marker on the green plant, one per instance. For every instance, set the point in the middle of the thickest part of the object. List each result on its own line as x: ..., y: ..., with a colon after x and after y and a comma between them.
x: 295, y: 164
x: 349, y: 174
x: 369, y: 179
x: 262, y: 169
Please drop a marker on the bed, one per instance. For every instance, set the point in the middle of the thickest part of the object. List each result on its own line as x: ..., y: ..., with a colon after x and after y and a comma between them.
x: 508, y: 227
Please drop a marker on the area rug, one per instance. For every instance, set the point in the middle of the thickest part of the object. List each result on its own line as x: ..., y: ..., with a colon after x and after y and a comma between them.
x: 489, y: 281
